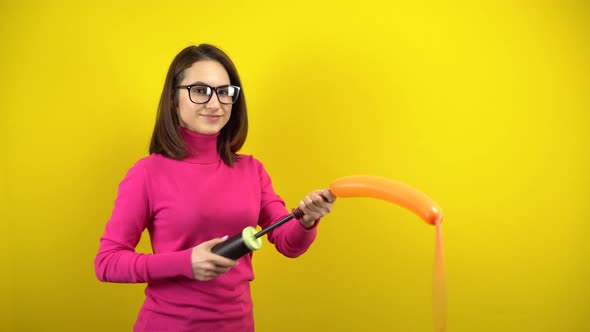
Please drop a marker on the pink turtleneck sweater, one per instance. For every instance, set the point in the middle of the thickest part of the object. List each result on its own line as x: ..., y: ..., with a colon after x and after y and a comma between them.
x: 182, y: 204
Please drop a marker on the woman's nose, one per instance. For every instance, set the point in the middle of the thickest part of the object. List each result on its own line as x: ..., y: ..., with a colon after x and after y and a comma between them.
x: 214, y: 101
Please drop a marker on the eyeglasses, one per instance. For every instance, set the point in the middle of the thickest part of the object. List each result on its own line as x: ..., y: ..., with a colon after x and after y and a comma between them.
x: 201, y: 93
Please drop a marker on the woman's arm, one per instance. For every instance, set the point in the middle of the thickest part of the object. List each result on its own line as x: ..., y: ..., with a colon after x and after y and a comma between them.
x: 117, y: 260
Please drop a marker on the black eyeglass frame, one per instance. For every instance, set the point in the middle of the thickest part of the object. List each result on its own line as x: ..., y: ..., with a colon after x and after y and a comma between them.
x: 213, y: 89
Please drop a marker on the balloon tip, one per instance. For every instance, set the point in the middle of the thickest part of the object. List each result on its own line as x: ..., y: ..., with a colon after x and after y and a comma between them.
x: 434, y: 217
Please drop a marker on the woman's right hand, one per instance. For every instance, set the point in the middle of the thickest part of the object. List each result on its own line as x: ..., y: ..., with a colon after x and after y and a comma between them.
x: 207, y: 265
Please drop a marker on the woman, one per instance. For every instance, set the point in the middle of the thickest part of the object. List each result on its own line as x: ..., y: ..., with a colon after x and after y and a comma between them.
x: 190, y: 193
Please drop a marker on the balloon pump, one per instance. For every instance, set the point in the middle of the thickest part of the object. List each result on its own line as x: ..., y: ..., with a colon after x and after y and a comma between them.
x: 249, y: 240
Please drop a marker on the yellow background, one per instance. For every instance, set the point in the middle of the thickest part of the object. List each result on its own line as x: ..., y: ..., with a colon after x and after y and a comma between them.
x: 481, y: 105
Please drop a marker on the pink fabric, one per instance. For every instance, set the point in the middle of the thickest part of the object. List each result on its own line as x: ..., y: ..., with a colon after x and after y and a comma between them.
x: 182, y: 204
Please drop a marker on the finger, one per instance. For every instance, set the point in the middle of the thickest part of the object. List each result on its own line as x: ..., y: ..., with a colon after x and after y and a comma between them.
x: 308, y: 202
x: 303, y: 207
x: 328, y: 196
x: 314, y: 201
x: 325, y: 194
x: 211, y: 243
x: 220, y: 270
x: 317, y: 199
x: 317, y: 211
x: 220, y: 261
x: 307, y: 206
x: 202, y: 276
x: 207, y: 275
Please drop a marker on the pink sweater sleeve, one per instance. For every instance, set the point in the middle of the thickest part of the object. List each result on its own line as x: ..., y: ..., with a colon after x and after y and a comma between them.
x: 290, y: 239
x: 117, y: 260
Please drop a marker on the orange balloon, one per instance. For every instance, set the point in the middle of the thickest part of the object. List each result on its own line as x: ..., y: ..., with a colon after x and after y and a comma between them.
x: 389, y: 190
x: 415, y: 201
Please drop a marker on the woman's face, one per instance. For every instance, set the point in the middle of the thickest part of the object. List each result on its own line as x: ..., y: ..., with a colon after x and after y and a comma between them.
x: 208, y: 118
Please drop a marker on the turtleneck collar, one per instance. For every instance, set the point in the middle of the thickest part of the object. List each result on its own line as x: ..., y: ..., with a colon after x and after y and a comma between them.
x: 203, y: 148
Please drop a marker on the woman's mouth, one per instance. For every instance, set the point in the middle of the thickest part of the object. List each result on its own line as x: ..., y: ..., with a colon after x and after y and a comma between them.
x: 211, y: 118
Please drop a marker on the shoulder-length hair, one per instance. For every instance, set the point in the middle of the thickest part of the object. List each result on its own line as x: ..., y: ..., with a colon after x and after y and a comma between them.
x: 166, y: 138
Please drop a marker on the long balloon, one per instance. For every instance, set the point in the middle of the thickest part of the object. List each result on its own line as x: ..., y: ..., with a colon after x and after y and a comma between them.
x: 389, y: 190
x: 414, y: 200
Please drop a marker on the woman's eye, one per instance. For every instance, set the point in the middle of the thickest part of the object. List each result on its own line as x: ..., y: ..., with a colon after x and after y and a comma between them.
x: 201, y: 90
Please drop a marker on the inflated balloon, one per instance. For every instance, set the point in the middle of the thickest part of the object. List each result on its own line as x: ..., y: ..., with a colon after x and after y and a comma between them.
x: 389, y: 190
x: 410, y: 198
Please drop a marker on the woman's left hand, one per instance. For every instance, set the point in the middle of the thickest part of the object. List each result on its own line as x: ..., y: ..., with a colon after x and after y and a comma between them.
x: 315, y: 205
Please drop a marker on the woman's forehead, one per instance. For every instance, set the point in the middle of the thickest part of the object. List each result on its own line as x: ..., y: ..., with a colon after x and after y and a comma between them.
x: 206, y: 71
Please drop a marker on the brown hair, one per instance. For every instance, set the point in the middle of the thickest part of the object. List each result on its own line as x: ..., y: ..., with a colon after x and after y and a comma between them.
x: 166, y: 138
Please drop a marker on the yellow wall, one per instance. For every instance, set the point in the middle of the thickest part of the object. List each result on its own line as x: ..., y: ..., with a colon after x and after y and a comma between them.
x: 484, y: 106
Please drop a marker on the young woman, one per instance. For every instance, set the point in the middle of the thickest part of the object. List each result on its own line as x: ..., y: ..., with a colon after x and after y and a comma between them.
x: 192, y: 191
